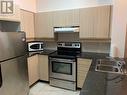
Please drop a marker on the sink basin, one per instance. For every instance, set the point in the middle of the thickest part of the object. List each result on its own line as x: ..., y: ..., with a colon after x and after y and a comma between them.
x: 109, y: 66
x: 106, y: 62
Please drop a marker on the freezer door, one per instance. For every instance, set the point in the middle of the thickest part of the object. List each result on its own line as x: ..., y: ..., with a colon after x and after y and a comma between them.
x: 15, y: 77
x: 12, y: 44
x: 1, y: 87
x: 0, y: 77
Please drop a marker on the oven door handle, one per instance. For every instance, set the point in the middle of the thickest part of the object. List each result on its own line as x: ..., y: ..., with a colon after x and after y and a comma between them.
x: 65, y: 61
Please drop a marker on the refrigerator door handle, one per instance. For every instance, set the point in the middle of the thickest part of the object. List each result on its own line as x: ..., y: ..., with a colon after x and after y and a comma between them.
x: 0, y: 77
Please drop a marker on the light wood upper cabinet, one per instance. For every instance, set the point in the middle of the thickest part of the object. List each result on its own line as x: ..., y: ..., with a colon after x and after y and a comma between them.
x: 83, y: 66
x: 76, y: 16
x: 66, y: 18
x: 43, y: 67
x: 102, y: 22
x: 33, y: 69
x: 59, y: 18
x: 46, y: 21
x: 27, y: 23
x: 12, y: 17
x: 95, y: 22
x: 43, y: 25
x: 86, y: 23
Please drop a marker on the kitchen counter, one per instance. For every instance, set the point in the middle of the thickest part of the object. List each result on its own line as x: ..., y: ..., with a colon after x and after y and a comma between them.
x: 99, y: 83
x: 44, y: 52
x: 85, y: 55
x: 91, y: 55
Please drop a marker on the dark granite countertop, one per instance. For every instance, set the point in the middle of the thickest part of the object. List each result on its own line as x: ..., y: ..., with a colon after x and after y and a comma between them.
x: 86, y: 55
x: 99, y: 83
x: 92, y: 55
x: 44, y: 52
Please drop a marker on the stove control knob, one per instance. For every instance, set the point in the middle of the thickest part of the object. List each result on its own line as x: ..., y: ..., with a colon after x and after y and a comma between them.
x: 60, y: 44
x: 76, y: 44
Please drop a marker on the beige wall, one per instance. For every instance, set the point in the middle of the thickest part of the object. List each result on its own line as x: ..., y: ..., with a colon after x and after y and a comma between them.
x: 29, y: 5
x: 119, y: 26
x: 51, y: 5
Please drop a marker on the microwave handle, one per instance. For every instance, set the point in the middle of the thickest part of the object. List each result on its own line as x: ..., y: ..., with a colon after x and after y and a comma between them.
x: 0, y: 77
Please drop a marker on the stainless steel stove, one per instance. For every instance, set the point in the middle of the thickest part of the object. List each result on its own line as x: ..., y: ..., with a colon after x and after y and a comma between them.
x: 63, y: 65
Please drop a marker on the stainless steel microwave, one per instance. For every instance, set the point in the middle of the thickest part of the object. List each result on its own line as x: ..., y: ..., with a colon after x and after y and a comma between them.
x: 34, y: 46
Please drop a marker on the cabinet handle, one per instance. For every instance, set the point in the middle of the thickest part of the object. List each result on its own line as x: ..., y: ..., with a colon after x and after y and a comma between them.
x: 0, y: 77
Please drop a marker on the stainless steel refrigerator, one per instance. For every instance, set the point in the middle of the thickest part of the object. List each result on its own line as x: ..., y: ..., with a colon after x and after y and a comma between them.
x: 13, y: 64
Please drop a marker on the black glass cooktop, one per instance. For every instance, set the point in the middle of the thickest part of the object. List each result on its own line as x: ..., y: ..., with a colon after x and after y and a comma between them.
x: 62, y: 54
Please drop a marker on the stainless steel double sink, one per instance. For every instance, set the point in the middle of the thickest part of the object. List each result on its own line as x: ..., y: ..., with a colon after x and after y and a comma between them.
x: 110, y: 66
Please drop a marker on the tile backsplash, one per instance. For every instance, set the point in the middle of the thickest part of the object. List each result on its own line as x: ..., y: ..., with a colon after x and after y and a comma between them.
x: 86, y: 47
x: 50, y: 45
x: 68, y: 37
x: 96, y: 47
x: 99, y: 47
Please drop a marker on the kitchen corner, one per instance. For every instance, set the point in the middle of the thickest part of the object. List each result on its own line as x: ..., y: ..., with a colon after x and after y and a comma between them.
x: 102, y: 83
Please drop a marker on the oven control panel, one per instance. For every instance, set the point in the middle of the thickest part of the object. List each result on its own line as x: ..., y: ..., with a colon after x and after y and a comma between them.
x: 69, y: 44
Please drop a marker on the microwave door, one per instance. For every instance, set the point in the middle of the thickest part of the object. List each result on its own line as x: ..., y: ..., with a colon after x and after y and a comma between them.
x: 35, y: 46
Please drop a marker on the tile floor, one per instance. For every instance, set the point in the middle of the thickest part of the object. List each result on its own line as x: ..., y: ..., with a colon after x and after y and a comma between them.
x: 45, y: 89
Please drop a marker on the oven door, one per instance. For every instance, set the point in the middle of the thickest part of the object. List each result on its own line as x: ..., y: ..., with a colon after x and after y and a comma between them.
x: 63, y: 69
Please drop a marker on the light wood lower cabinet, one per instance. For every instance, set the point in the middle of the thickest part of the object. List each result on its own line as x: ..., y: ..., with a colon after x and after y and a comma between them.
x: 83, y: 66
x: 43, y: 67
x: 38, y: 69
x: 33, y: 69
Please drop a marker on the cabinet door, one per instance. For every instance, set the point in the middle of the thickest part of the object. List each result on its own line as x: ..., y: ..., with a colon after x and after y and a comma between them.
x: 66, y: 18
x: 27, y: 23
x: 102, y: 22
x: 95, y: 22
x: 43, y: 67
x: 86, y: 23
x: 12, y: 17
x: 59, y: 18
x: 33, y: 69
x: 83, y: 66
x: 76, y: 17
x: 43, y: 25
